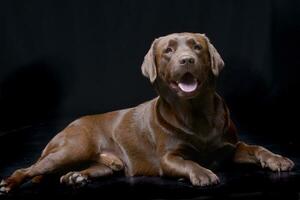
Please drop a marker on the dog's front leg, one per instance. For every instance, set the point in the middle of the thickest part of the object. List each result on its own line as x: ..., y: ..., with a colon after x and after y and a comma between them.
x: 175, y: 166
x: 259, y: 155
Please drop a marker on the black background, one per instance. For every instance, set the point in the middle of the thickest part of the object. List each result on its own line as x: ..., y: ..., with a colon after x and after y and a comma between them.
x: 65, y: 59
x: 60, y: 60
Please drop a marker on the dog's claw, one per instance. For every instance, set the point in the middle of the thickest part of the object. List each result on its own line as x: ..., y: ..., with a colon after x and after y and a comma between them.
x: 3, y: 189
x: 277, y: 163
x: 75, y: 179
x: 2, y: 183
x: 204, y: 177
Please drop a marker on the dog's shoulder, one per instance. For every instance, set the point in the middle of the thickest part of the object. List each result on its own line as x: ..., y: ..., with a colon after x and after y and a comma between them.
x: 229, y: 129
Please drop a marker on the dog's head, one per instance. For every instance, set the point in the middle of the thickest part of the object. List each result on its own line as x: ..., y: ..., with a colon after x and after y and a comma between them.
x: 184, y: 62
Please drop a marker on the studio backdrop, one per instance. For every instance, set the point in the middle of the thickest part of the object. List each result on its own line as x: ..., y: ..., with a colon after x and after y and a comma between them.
x: 64, y: 59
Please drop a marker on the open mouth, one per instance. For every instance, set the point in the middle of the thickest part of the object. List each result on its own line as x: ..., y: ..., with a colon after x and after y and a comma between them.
x: 187, y: 83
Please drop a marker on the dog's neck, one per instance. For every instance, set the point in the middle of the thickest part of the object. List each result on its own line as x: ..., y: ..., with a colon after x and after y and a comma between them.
x: 189, y: 114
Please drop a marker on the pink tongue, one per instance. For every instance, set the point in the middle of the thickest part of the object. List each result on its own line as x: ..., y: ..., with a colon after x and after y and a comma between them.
x: 188, y: 83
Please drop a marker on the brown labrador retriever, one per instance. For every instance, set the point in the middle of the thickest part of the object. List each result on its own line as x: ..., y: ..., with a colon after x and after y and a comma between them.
x: 178, y: 134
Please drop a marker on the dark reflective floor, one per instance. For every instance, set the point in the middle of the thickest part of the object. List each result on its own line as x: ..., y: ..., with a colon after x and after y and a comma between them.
x: 22, y: 147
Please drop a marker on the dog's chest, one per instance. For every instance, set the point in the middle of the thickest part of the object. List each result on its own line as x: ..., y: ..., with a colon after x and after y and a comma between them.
x: 207, y: 149
x: 206, y: 139
x: 207, y: 132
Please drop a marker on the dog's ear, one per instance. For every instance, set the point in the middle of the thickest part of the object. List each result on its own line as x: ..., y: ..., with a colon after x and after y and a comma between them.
x: 216, y: 61
x: 149, y: 66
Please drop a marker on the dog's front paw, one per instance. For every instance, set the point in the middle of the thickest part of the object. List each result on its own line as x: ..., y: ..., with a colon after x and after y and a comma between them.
x: 75, y: 179
x: 277, y: 163
x: 203, y: 177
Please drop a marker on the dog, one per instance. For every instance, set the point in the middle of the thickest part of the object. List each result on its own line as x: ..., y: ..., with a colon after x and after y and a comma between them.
x: 179, y: 134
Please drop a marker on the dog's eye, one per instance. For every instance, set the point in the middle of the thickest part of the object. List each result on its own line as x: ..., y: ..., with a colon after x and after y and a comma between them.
x: 168, y: 50
x: 197, y: 47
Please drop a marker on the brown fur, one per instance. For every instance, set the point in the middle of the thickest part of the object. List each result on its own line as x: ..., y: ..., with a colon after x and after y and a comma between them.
x: 177, y: 134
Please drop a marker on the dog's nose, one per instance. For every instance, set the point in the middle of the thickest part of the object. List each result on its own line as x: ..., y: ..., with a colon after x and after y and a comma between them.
x: 186, y: 60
